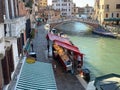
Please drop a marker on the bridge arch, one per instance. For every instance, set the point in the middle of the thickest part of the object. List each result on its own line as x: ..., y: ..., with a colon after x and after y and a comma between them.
x: 89, y: 22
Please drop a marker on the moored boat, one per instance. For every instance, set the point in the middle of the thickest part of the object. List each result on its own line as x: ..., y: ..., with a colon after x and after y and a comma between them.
x: 102, y: 32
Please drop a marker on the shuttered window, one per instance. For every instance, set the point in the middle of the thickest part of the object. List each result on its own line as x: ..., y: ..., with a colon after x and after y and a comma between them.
x: 6, y: 72
x: 7, y: 65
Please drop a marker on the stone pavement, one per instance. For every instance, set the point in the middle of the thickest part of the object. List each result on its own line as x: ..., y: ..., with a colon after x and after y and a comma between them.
x: 64, y: 80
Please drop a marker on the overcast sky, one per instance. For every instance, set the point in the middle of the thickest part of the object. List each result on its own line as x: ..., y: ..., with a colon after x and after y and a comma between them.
x: 79, y: 3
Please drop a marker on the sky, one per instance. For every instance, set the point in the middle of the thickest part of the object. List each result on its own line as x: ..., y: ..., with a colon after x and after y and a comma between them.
x: 79, y: 3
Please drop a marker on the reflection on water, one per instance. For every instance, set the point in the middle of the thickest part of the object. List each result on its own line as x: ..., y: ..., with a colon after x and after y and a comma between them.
x: 101, y: 54
x: 74, y: 28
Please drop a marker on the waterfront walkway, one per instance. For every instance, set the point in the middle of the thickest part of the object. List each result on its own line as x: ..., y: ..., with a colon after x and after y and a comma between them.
x: 64, y: 80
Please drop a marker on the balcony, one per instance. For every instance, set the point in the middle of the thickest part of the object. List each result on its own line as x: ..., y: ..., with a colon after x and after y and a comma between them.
x: 1, y: 30
x: 1, y: 38
x: 15, y: 26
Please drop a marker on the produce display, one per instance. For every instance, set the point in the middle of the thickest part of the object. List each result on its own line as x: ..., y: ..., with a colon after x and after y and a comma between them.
x: 61, y: 53
x: 30, y: 60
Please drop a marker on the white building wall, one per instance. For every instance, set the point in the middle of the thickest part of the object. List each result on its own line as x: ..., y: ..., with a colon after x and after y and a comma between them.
x: 15, y: 55
x: 1, y: 30
x: 15, y: 52
x: 16, y: 26
x: 88, y: 11
x: 2, y: 44
x: 60, y: 5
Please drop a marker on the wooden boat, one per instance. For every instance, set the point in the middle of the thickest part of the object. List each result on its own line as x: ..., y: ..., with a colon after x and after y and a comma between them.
x: 104, y: 33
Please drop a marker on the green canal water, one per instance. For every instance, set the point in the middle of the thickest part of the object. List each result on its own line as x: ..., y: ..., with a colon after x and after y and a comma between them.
x: 102, y: 55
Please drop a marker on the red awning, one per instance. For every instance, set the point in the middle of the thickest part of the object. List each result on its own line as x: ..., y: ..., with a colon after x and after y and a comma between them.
x: 68, y: 46
x: 53, y: 37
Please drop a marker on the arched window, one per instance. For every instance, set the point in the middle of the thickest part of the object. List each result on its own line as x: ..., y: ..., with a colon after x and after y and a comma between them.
x: 106, y: 15
x: 117, y: 15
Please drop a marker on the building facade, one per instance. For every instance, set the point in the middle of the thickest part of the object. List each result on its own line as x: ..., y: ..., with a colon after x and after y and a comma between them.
x: 88, y: 11
x: 81, y: 11
x: 13, y: 36
x: 107, y: 11
x: 52, y: 14
x: 42, y: 3
x: 84, y: 12
x: 64, y: 6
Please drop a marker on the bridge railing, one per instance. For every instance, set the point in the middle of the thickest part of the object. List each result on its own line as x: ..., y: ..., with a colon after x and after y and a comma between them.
x: 74, y: 19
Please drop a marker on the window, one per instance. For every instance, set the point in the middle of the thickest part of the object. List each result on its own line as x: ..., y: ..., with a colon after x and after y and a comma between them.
x: 99, y: 6
x: 107, y: 6
x: 57, y: 4
x: 65, y: 0
x: 74, y: 10
x: 117, y: 15
x: 106, y: 15
x: 112, y: 15
x: 117, y: 6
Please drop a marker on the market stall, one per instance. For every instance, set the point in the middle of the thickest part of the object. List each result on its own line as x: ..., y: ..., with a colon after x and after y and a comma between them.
x: 53, y: 37
x: 65, y: 52
x: 60, y: 54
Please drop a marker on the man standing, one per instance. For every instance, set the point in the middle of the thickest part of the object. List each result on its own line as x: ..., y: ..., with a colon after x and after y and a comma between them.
x: 31, y: 46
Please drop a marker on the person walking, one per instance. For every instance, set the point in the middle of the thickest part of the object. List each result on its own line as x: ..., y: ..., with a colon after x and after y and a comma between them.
x: 31, y: 46
x: 48, y: 49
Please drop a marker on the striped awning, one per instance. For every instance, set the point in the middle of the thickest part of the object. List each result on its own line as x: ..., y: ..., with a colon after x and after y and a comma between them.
x: 112, y: 19
x: 36, y: 76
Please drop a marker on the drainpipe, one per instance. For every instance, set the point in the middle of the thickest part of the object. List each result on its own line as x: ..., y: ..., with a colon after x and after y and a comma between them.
x: 12, y: 7
x: 16, y: 7
x: 7, y: 17
x: 7, y: 9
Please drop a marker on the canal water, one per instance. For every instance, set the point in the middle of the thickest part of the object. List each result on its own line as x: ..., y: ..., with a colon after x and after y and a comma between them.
x: 102, y: 55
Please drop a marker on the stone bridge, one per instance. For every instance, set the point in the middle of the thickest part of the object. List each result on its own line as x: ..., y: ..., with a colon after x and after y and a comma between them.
x: 55, y: 23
